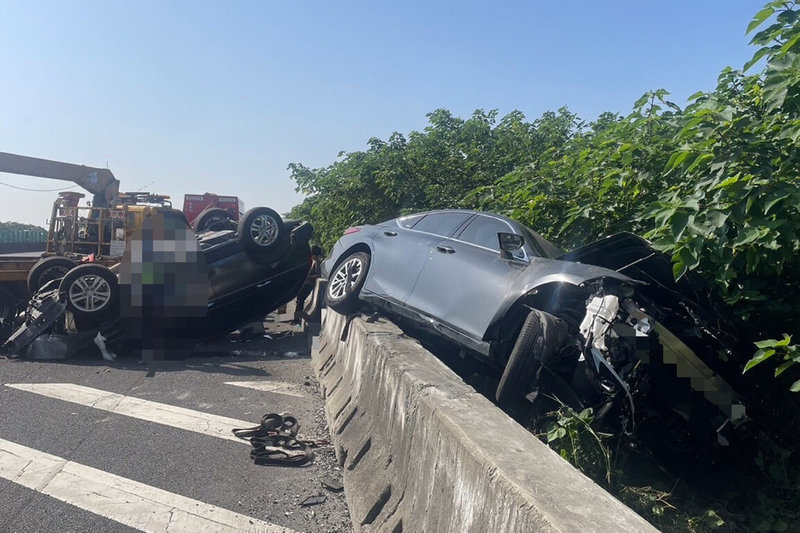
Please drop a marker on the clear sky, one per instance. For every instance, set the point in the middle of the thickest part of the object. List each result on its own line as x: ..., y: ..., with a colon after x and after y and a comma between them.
x: 193, y: 96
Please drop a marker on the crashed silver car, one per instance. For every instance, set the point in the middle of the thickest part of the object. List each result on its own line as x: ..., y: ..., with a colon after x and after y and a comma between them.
x: 605, y: 326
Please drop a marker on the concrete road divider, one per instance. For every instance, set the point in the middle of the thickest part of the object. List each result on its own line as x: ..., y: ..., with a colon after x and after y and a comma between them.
x: 422, y: 451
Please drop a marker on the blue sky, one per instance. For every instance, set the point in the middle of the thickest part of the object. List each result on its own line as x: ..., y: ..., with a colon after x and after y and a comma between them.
x: 187, y: 97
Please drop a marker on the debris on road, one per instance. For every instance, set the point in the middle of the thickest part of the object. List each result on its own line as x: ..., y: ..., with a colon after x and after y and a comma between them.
x: 313, y: 500
x: 331, y: 484
x: 275, y: 441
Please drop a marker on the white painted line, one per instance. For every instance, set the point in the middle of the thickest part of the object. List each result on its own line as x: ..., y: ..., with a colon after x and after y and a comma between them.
x: 123, y: 500
x: 161, y: 413
x: 279, y: 387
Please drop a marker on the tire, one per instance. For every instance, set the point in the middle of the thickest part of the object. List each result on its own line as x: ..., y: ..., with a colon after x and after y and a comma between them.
x: 91, y: 292
x: 8, y: 306
x: 211, y: 218
x: 541, y: 336
x: 48, y: 269
x: 260, y: 230
x: 345, y: 282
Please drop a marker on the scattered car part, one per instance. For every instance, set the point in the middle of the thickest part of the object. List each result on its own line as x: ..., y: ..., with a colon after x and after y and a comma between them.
x: 313, y: 500
x: 331, y: 484
x: 275, y: 441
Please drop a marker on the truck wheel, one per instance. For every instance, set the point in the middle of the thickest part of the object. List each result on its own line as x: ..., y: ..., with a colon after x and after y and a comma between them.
x: 8, y: 306
x: 48, y: 269
x: 90, y: 292
x: 212, y: 218
x: 260, y: 229
x: 541, y: 336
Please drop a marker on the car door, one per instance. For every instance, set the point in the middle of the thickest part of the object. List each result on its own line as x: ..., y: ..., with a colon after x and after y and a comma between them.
x: 467, y: 278
x: 402, y: 249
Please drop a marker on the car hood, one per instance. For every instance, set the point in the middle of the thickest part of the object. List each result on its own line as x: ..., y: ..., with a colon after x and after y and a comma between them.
x: 635, y: 257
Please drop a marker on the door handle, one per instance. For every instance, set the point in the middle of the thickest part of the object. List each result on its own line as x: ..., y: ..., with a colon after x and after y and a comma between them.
x: 390, y: 233
x: 445, y: 249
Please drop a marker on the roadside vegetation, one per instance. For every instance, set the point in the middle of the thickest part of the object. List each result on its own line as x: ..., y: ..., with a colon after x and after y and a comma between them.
x: 716, y: 185
x: 13, y: 226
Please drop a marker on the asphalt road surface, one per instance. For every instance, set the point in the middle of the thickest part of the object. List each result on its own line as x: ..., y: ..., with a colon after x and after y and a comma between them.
x: 87, y: 445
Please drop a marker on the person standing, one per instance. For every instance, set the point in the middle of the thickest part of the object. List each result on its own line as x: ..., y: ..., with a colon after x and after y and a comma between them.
x: 308, y: 286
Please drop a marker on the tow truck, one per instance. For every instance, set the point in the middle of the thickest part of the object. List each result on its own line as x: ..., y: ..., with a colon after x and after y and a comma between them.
x: 97, y: 231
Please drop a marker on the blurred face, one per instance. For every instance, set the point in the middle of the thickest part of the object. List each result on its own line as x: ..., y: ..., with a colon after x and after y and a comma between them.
x: 164, y: 287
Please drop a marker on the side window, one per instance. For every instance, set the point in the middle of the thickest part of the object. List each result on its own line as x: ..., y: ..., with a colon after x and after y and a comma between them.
x: 409, y: 221
x: 483, y: 232
x: 441, y: 223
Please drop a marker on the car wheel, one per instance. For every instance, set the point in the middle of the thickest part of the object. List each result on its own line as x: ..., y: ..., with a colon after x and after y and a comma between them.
x: 260, y: 229
x: 48, y: 269
x: 345, y: 283
x: 541, y: 336
x: 90, y: 292
x: 211, y: 218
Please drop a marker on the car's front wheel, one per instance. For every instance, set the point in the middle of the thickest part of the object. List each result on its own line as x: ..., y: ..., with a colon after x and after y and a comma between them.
x: 345, y: 283
x: 90, y: 292
x: 541, y: 336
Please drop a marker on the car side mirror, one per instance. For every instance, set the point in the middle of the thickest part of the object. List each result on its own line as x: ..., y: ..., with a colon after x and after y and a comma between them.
x: 510, y: 242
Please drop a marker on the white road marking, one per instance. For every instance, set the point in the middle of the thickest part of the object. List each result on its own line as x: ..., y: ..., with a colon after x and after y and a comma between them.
x: 270, y: 386
x: 161, y: 413
x: 123, y: 500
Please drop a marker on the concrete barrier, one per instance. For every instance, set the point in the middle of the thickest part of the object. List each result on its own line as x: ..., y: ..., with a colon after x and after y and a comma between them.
x: 422, y: 451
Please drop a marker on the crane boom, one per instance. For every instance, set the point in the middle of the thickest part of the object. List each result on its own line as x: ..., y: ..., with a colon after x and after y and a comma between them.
x: 98, y: 181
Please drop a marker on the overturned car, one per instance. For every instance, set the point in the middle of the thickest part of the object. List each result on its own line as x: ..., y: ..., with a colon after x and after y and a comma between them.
x: 173, y: 288
x: 605, y: 326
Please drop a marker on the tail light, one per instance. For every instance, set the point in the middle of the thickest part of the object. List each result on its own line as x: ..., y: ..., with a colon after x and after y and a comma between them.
x: 354, y: 229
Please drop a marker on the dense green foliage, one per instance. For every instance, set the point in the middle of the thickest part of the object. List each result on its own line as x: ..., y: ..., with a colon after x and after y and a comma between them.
x: 19, y: 226
x: 715, y: 185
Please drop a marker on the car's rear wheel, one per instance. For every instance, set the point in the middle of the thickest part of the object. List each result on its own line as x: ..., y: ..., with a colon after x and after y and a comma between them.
x: 345, y: 283
x: 48, y: 269
x: 91, y: 292
x: 260, y: 229
x: 541, y: 336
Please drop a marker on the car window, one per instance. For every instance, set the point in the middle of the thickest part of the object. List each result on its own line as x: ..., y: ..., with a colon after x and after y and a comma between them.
x: 441, y: 223
x: 483, y: 232
x: 409, y: 221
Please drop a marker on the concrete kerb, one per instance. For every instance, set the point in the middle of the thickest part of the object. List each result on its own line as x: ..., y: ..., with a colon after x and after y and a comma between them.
x: 422, y: 451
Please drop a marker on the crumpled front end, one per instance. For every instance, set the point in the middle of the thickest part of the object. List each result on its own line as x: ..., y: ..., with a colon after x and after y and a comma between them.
x: 628, y: 365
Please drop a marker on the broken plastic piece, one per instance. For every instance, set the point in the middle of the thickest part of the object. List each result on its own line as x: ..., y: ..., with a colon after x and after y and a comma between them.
x: 331, y: 484
x: 313, y: 500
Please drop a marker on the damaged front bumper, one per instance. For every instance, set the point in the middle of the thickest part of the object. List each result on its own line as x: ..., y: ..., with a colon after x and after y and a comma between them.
x: 628, y: 354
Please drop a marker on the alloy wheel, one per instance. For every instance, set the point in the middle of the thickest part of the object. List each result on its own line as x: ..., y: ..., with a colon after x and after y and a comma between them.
x: 345, y: 277
x: 89, y: 293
